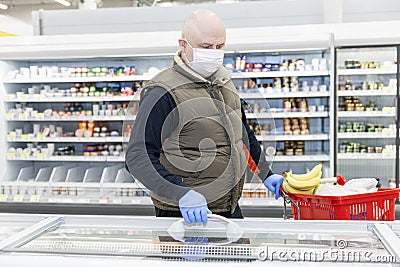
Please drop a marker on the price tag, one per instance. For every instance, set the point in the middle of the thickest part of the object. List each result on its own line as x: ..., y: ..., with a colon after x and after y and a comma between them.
x: 18, y: 198
x: 23, y: 116
x: 39, y: 115
x: 34, y: 198
x: 117, y: 201
x: 84, y: 200
x: 11, y: 136
x: 103, y: 200
x: 9, y: 96
x: 22, y: 96
x: 11, y: 155
x: 10, y: 115
x: 26, y: 136
x: 37, y: 96
x: 247, y: 202
x: 41, y: 136
x: 135, y: 201
x: 3, y: 198
x: 42, y: 155
x: 24, y: 155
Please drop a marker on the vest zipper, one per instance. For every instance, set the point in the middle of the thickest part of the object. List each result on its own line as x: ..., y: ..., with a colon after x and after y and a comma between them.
x: 224, y: 119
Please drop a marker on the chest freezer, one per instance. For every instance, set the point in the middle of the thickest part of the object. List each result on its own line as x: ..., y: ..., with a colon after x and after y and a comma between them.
x: 135, y: 241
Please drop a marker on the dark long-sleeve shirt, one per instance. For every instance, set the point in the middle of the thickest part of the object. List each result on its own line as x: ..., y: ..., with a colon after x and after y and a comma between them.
x: 144, y: 146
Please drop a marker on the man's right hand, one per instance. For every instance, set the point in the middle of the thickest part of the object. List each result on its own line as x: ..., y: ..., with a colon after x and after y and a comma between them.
x: 193, y: 207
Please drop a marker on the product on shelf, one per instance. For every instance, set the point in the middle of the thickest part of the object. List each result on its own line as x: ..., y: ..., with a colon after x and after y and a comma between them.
x: 352, y: 103
x: 282, y: 85
x: 51, y: 72
x: 255, y: 127
x: 254, y: 190
x: 74, y: 109
x: 357, y: 64
x: 295, y: 126
x: 292, y: 148
x: 367, y: 85
x: 94, y: 129
x: 355, y: 147
x: 47, y: 150
x: 131, y: 192
x: 103, y: 150
x: 64, y: 151
x: 240, y: 64
x: 77, y: 90
x: 85, y: 129
x: 295, y: 105
x: 360, y: 127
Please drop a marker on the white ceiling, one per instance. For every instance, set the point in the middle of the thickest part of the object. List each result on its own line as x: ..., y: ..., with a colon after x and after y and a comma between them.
x: 22, y: 9
x: 108, y: 3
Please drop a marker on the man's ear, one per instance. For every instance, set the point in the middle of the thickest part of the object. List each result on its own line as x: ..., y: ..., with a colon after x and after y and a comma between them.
x: 182, y: 43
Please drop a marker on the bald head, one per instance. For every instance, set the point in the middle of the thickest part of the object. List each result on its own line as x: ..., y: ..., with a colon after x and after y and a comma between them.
x: 202, y: 22
x: 202, y: 29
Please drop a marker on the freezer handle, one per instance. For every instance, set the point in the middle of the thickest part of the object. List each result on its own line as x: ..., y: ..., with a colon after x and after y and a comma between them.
x: 233, y: 231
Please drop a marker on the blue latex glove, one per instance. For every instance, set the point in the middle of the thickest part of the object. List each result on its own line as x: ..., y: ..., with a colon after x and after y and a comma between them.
x: 274, y: 183
x: 195, y: 248
x: 194, y: 208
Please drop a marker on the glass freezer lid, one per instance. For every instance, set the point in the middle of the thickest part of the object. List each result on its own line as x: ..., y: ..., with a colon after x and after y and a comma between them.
x: 169, y: 238
x: 12, y: 224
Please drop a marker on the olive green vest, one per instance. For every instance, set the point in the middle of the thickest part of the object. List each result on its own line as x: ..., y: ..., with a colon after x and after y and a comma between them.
x: 206, y: 149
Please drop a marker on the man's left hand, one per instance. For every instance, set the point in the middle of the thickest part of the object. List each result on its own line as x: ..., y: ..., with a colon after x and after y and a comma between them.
x: 274, y: 183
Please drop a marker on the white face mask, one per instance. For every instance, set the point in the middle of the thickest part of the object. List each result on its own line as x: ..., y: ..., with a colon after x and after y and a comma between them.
x: 206, y: 61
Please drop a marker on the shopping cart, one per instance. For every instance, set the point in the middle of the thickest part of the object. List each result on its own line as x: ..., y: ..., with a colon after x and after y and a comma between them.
x: 377, y: 206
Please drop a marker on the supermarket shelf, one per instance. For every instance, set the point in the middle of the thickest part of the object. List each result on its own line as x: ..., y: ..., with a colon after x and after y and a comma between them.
x: 367, y: 93
x: 279, y: 115
x: 282, y: 95
x: 72, y: 118
x: 322, y: 157
x: 43, y: 99
x: 116, y: 139
x: 300, y: 158
x: 114, y: 200
x: 260, y: 202
x: 366, y: 135
x: 365, y: 71
x: 82, y: 79
x: 70, y: 158
x: 364, y: 156
x: 360, y: 114
x: 308, y: 137
x: 272, y: 74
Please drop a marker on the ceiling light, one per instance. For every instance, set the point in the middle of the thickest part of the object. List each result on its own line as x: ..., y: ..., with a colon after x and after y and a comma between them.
x: 2, y: 6
x: 63, y: 2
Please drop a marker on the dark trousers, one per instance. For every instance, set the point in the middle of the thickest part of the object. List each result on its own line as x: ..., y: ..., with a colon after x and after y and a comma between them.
x: 170, y: 213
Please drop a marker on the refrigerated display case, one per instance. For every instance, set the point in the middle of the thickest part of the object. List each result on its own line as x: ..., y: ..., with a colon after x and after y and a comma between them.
x: 127, y: 241
x: 288, y: 97
x: 367, y: 113
x: 58, y: 100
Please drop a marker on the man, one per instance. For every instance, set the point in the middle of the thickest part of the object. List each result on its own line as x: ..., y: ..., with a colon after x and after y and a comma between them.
x: 190, y: 144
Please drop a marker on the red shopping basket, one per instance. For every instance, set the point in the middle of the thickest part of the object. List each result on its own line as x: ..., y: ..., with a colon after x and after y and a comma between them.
x: 377, y: 206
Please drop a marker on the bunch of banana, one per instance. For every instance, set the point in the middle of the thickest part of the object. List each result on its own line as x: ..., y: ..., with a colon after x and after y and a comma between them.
x: 302, y: 183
